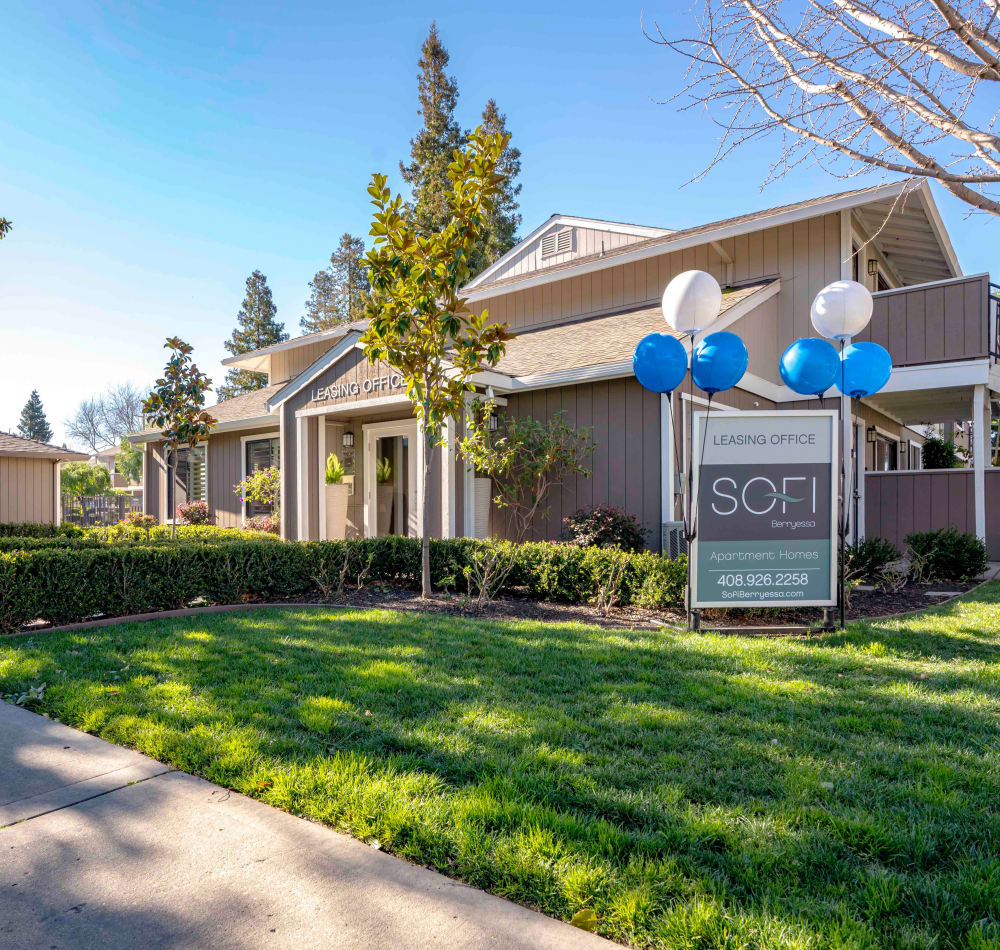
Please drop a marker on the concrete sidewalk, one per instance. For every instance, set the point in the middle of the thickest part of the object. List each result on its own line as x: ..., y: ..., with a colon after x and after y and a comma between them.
x: 103, y: 847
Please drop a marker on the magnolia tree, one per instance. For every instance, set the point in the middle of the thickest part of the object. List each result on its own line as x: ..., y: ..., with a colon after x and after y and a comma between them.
x: 419, y: 323
x: 176, y: 406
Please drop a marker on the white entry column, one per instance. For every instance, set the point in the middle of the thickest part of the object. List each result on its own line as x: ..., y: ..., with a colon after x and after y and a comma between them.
x: 980, y: 441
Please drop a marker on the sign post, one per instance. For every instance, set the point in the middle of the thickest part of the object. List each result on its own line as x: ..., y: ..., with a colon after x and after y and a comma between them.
x: 766, y: 509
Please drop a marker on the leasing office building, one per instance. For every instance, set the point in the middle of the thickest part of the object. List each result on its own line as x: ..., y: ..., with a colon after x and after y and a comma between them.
x: 580, y: 293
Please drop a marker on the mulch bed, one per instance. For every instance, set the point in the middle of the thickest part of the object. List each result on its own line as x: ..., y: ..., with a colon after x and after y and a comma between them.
x: 863, y: 604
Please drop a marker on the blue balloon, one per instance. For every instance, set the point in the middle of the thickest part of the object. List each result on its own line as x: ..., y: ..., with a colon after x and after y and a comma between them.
x: 810, y: 366
x: 866, y: 369
x: 719, y: 362
x: 660, y: 362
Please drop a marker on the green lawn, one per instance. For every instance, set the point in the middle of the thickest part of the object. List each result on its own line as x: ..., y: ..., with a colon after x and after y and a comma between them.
x: 695, y: 791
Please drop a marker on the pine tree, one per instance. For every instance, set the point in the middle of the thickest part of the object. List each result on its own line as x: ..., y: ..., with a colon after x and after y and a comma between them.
x: 503, y: 221
x: 339, y: 291
x: 432, y: 149
x: 33, y: 424
x: 256, y: 327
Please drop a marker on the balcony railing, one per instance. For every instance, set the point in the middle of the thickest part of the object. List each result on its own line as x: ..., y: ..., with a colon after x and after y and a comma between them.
x: 937, y: 322
x: 995, y: 322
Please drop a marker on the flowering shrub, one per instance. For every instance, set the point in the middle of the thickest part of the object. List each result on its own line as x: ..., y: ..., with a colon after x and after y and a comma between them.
x: 136, y: 519
x: 194, y: 512
x: 262, y: 487
x: 267, y: 523
x: 604, y: 526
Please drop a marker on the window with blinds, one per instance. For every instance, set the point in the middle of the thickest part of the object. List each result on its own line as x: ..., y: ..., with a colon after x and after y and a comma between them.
x: 190, y: 481
x: 260, y: 454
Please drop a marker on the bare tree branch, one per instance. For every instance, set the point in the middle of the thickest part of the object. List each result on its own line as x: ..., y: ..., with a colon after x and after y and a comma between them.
x: 855, y: 84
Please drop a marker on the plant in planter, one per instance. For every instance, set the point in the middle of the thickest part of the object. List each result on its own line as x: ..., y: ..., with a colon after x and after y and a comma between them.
x: 336, y: 498
x: 385, y: 492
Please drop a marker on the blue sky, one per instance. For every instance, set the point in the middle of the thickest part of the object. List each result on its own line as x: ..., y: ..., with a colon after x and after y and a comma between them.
x: 153, y: 155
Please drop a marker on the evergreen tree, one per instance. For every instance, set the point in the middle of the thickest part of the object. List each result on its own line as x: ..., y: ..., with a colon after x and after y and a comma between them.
x: 502, y: 222
x: 339, y: 291
x: 256, y: 327
x: 432, y: 149
x: 33, y: 424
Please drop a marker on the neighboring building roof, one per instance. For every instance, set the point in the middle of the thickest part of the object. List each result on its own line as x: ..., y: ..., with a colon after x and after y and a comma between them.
x: 11, y: 445
x: 609, y: 338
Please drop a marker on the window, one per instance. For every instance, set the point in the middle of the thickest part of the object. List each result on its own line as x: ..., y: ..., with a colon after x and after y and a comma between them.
x: 190, y: 482
x: 855, y: 263
x: 881, y: 283
x: 557, y: 242
x: 260, y: 454
x: 886, y: 454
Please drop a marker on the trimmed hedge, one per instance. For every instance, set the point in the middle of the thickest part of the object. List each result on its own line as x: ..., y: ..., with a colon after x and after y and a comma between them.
x: 63, y: 584
x: 126, y: 534
x: 30, y: 529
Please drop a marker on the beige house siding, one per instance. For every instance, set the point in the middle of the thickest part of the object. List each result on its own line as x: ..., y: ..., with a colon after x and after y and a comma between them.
x: 225, y: 469
x: 154, y: 486
x: 806, y: 255
x: 287, y: 364
x: 27, y: 490
x: 587, y: 241
x: 625, y: 465
x: 352, y: 371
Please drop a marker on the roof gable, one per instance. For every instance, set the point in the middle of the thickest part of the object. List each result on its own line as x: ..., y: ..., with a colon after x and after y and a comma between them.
x: 562, y: 239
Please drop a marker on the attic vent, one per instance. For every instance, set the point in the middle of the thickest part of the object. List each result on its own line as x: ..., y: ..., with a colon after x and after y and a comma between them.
x: 557, y: 242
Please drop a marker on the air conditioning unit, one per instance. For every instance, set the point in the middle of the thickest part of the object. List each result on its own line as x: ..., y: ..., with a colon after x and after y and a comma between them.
x: 672, y: 540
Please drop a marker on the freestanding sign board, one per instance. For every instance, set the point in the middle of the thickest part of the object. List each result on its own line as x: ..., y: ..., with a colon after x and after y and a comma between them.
x: 767, y: 509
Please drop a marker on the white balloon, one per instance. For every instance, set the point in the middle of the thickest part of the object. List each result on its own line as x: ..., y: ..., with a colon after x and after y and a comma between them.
x: 841, y: 309
x: 692, y: 301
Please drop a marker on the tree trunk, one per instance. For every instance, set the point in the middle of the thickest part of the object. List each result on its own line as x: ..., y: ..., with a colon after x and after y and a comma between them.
x: 425, y: 545
x: 172, y: 488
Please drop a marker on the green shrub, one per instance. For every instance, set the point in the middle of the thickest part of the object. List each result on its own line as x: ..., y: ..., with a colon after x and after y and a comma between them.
x: 33, y: 530
x: 79, y: 579
x: 947, y: 555
x: 605, y: 526
x: 869, y: 558
x: 939, y: 453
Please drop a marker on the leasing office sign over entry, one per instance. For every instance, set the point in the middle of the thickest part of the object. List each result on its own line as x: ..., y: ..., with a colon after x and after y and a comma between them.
x: 766, y: 497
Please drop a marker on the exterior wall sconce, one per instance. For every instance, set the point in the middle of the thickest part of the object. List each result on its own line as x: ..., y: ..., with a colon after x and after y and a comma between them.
x: 872, y: 268
x: 494, y: 422
x: 348, y: 439
x: 870, y: 435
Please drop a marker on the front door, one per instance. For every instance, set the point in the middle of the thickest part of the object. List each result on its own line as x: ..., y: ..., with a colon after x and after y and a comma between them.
x: 392, y: 494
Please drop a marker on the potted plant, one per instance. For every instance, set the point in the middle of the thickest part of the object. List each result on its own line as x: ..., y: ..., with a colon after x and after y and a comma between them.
x: 384, y: 492
x: 336, y: 498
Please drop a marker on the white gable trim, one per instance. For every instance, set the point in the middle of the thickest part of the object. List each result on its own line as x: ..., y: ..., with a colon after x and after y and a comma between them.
x: 349, y: 342
x: 563, y: 220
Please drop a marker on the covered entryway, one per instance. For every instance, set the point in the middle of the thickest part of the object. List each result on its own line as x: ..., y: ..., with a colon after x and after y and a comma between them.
x: 393, y: 492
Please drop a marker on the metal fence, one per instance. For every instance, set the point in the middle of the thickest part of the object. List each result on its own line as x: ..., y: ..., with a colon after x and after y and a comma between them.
x: 91, y: 510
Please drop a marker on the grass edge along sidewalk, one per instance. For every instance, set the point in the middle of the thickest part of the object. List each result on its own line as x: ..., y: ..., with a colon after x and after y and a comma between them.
x: 693, y: 791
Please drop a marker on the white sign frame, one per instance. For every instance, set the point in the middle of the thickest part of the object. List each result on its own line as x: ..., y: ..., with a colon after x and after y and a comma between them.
x: 697, y: 436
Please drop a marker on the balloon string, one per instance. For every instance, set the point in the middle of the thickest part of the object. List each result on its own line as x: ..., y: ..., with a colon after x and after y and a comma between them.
x: 701, y: 462
x: 676, y: 432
